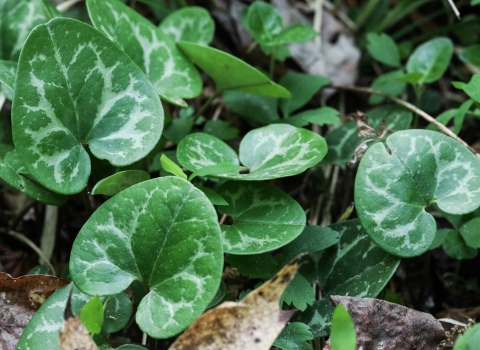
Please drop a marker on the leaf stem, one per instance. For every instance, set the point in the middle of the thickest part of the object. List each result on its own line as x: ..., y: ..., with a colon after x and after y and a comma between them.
x: 271, y: 69
x: 86, y: 202
x: 414, y: 109
x: 206, y: 105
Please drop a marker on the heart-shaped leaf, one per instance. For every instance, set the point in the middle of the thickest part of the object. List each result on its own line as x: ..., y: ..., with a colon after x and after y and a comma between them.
x: 270, y: 152
x: 16, y: 175
x: 263, y: 22
x: 8, y: 72
x: 384, y: 49
x: 42, y: 330
x: 77, y: 88
x: 173, y: 76
x: 191, y: 23
x: 431, y: 59
x: 264, y: 217
x: 393, y: 187
x: 132, y: 237
x: 115, y: 183
x: 470, y: 232
x: 18, y: 18
x: 296, y: 33
x: 231, y: 73
x: 320, y: 116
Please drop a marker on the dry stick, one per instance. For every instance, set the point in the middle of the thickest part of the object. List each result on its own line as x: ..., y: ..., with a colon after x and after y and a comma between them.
x: 414, y: 109
x: 454, y: 8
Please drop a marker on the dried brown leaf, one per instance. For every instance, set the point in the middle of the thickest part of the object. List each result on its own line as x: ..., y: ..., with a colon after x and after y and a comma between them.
x: 19, y: 299
x: 252, y: 324
x: 383, y: 325
x: 74, y: 336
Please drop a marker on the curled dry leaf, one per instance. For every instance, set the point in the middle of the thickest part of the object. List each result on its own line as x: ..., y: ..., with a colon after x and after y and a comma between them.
x: 252, y: 324
x: 74, y: 336
x: 383, y: 325
x: 19, y: 299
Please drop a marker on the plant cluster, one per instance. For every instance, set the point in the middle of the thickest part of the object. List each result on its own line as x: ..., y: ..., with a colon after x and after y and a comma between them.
x: 88, y: 116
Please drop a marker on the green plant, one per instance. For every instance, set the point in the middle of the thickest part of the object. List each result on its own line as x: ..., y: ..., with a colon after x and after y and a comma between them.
x: 87, y: 116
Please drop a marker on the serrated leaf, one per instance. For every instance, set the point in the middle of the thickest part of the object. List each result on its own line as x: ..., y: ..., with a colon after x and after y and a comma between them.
x: 231, y: 73
x: 115, y: 183
x: 320, y: 116
x: 42, y: 331
x: 18, y: 18
x: 387, y: 84
x: 116, y: 246
x: 431, y: 59
x: 171, y: 167
x: 260, y: 109
x: 263, y: 22
x: 393, y: 188
x: 91, y: 94
x: 14, y: 173
x: 295, y: 33
x: 294, y: 337
x: 191, y: 23
x: 92, y: 315
x: 299, y: 293
x: 342, y: 336
x: 8, y: 72
x: 470, y: 232
x: 155, y: 53
x: 456, y: 247
x: 318, y: 317
x: 264, y: 217
x: 270, y: 152
x: 384, y: 49
x: 302, y: 87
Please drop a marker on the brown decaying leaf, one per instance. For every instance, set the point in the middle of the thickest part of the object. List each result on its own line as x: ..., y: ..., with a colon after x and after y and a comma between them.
x: 19, y: 299
x: 383, y: 325
x: 74, y: 336
x: 252, y: 324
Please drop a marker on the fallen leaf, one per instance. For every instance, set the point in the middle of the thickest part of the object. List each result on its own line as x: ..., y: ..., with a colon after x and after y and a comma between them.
x: 252, y: 324
x: 19, y: 299
x: 383, y: 325
x: 74, y: 336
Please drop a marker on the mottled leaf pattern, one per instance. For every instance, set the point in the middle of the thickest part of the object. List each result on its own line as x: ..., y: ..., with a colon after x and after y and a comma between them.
x: 173, y: 76
x: 191, y: 23
x: 133, y: 237
x: 79, y: 89
x: 395, y: 185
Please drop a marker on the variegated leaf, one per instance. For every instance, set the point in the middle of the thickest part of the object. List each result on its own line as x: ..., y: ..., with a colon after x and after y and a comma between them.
x: 8, y: 72
x: 76, y: 88
x: 16, y: 175
x: 264, y: 217
x: 395, y: 185
x: 163, y: 232
x: 191, y: 23
x: 17, y: 19
x: 173, y: 76
x: 274, y: 151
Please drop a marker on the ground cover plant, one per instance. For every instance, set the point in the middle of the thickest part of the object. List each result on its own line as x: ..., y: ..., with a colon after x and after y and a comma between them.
x: 236, y: 175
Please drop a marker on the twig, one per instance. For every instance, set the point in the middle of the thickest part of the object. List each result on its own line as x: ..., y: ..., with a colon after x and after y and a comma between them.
x: 49, y: 231
x: 414, y: 109
x: 454, y: 8
x: 64, y: 6
x: 317, y: 23
x: 2, y: 99
x: 327, y: 217
x: 86, y: 202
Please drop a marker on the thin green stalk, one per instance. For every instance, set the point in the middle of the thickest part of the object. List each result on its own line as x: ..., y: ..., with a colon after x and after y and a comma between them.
x: 206, y: 105
x: 86, y: 202
x: 271, y: 69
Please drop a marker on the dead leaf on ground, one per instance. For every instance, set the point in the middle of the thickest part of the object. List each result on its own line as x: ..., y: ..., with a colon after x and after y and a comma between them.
x: 19, y: 299
x: 252, y: 324
x: 74, y: 336
x: 383, y: 325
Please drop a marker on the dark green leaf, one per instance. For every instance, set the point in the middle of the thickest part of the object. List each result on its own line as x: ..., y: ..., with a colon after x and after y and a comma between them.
x: 117, y: 313
x: 260, y: 109
x: 263, y: 22
x: 383, y: 49
x: 470, y: 232
x: 294, y: 337
x: 261, y: 266
x: 92, y: 315
x: 302, y: 87
x: 8, y: 72
x: 178, y: 129
x: 299, y: 293
x: 471, y: 55
x: 393, y: 188
x: 387, y: 84
x: 456, y: 248
x: 320, y: 116
x: 396, y: 117
x: 460, y: 115
x: 431, y: 59
x: 213, y: 196
x: 216, y: 170
x: 342, y: 142
x: 472, y: 89
x: 295, y: 33
x: 191, y: 23
x: 151, y: 220
x: 470, y: 339
x: 317, y: 317
x: 412, y: 78
x: 231, y: 73
x: 219, y: 296
x: 312, y: 239
x: 221, y: 129
x: 342, y: 336
x: 115, y: 183
x: 440, y: 237
x: 154, y: 52
x: 72, y: 91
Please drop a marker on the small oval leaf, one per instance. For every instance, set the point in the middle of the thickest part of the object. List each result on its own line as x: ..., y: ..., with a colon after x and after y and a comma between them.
x: 264, y: 217
x: 115, y: 183
x: 132, y: 237
x: 393, y: 187
x: 191, y: 23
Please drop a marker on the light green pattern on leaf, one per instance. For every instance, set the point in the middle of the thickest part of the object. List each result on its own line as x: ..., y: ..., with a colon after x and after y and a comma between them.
x: 8, y: 72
